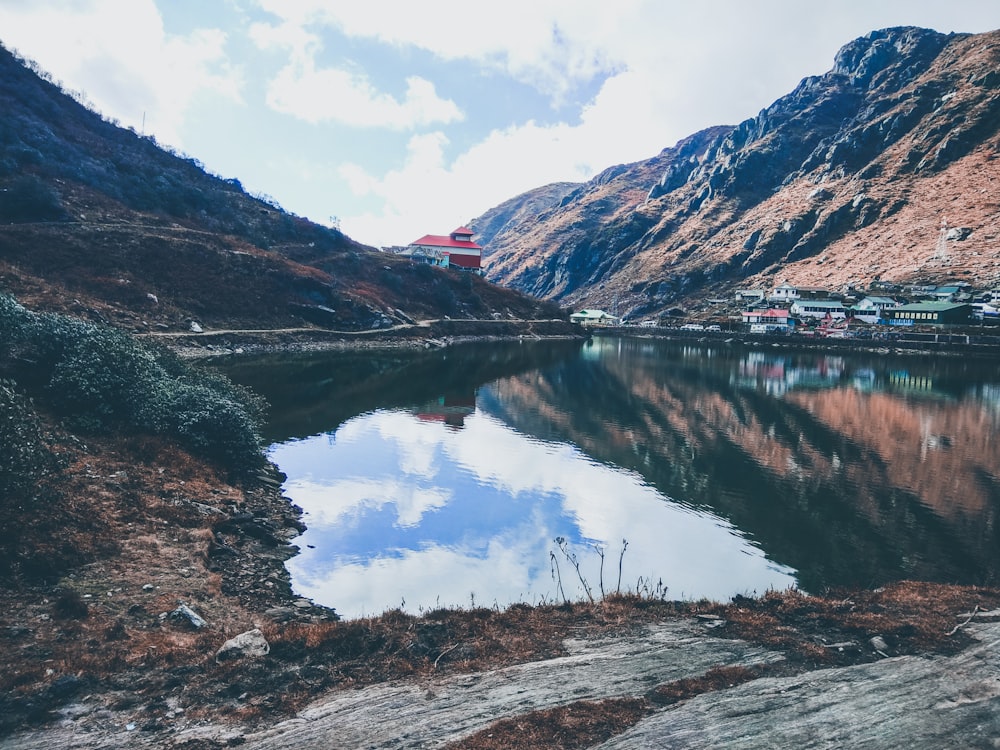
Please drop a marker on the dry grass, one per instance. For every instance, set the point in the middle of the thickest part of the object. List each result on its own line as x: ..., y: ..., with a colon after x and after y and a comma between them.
x: 911, y: 616
x: 717, y: 678
x: 575, y: 725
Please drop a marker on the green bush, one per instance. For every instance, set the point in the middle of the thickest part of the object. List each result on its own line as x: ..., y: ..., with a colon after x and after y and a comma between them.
x: 25, y: 458
x: 11, y: 319
x: 99, y: 376
x: 209, y: 421
x: 24, y: 454
x: 27, y: 198
x: 101, y: 379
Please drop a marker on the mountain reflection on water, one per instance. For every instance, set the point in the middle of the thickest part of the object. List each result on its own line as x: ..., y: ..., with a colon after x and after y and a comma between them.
x: 443, y: 478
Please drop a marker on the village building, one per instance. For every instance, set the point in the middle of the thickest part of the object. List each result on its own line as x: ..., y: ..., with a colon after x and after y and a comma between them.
x: 456, y: 250
x: 946, y: 293
x: 985, y: 311
x: 594, y: 318
x: 763, y: 320
x: 872, y: 308
x: 929, y: 313
x: 818, y: 309
x: 750, y: 295
x: 789, y: 293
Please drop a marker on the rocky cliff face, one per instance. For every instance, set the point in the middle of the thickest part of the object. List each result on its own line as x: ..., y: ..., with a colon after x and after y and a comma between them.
x: 502, y: 223
x: 845, y: 180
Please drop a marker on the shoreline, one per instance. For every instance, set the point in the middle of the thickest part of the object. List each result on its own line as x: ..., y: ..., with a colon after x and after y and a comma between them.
x: 978, y: 346
x: 423, y: 335
x: 444, y: 333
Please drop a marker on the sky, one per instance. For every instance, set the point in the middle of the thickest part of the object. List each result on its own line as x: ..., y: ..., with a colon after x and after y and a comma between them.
x: 392, y: 119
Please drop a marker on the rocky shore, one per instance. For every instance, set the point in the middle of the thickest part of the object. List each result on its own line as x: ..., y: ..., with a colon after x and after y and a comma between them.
x: 418, y: 335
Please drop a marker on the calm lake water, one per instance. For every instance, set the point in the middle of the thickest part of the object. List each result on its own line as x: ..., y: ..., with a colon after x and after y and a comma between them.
x: 444, y: 478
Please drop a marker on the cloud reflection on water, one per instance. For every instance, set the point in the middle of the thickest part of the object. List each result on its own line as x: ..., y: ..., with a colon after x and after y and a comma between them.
x: 403, y: 509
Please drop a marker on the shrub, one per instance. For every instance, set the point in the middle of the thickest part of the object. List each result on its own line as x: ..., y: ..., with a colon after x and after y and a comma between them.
x: 25, y: 459
x: 24, y: 454
x: 101, y: 379
x: 99, y: 376
x: 27, y: 198
x: 208, y: 421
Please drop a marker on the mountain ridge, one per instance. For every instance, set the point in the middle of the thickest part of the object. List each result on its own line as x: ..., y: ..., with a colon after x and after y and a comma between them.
x: 845, y: 180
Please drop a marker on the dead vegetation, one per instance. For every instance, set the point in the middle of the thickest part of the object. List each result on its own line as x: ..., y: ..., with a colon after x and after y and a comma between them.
x: 577, y: 725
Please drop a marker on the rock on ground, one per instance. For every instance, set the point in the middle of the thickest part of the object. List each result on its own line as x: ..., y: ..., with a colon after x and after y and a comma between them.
x: 911, y: 702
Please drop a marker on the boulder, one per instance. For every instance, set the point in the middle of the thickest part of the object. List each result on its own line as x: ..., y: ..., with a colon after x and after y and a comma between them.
x: 249, y: 645
x: 184, y: 613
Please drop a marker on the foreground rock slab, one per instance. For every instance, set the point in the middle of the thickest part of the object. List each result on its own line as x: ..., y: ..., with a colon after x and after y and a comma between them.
x: 911, y: 702
x: 438, y: 711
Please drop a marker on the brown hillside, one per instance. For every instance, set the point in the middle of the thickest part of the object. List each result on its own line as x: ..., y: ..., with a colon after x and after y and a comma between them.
x: 99, y: 221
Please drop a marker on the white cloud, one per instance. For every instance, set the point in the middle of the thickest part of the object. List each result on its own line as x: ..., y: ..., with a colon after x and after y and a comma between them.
x: 333, y: 502
x: 431, y: 577
x: 441, y: 196
x: 347, y: 96
x: 285, y: 36
x: 701, y: 554
x: 548, y: 43
x: 117, y: 53
x: 415, y: 441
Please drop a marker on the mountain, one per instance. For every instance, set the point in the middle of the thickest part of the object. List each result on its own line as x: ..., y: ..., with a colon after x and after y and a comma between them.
x: 103, y: 223
x: 493, y: 227
x: 845, y: 180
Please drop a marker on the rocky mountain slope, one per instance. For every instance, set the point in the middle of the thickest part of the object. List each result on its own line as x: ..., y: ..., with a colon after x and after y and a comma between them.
x: 103, y: 223
x: 845, y: 180
x: 501, y: 223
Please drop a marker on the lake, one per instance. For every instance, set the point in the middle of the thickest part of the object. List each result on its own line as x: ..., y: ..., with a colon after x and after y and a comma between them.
x: 489, y: 474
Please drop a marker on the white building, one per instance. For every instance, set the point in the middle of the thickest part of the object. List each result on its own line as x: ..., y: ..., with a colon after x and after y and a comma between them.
x: 818, y: 309
x: 871, y: 308
x: 789, y: 293
x: 594, y: 318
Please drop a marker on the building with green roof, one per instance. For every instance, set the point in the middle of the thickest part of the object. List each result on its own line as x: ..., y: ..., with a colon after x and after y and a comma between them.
x: 929, y: 313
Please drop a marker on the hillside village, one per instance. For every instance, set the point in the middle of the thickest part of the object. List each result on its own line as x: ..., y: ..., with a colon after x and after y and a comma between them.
x: 844, y: 313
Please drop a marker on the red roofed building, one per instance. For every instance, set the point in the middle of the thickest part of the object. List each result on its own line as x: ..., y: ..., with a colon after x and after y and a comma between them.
x: 775, y: 316
x: 454, y: 250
